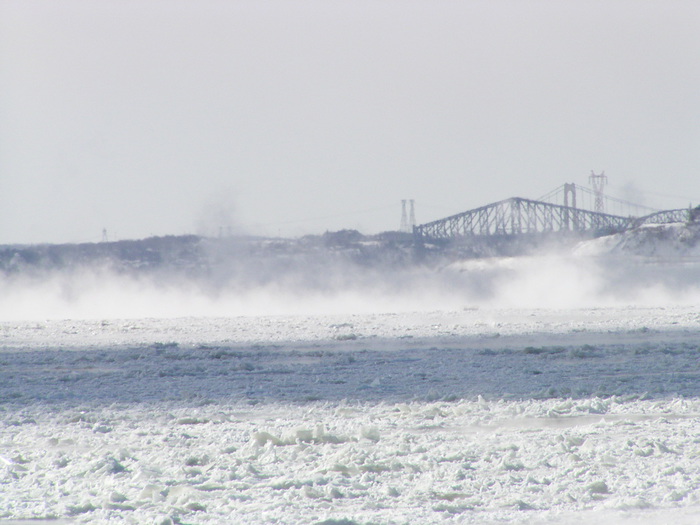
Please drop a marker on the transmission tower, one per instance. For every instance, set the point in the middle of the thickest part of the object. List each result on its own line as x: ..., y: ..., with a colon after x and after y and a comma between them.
x: 412, y: 216
x: 598, y: 183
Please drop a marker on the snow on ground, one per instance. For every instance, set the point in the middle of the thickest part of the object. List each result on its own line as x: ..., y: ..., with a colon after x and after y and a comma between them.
x: 477, y: 415
x: 667, y: 241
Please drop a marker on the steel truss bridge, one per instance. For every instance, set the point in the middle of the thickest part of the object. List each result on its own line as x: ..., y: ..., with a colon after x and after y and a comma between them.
x: 518, y: 216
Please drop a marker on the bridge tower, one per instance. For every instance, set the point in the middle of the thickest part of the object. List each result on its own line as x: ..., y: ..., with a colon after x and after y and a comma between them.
x: 408, y: 221
x: 570, y: 217
x: 404, y: 219
x: 598, y: 183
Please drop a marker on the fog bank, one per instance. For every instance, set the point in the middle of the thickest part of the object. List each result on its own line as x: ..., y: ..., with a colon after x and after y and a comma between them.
x: 342, y: 272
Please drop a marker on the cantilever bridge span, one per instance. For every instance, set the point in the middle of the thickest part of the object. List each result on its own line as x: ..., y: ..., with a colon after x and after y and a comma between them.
x: 518, y: 216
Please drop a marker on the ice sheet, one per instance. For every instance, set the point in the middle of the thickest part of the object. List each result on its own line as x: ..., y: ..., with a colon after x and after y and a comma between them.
x: 458, y: 416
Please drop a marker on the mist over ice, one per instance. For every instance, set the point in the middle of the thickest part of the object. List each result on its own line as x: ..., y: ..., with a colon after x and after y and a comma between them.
x: 341, y: 272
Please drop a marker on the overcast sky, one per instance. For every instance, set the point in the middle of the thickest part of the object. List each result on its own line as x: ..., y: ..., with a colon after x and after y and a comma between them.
x: 294, y: 117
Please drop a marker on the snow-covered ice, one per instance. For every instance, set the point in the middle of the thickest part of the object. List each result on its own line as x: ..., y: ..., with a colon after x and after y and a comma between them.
x: 477, y: 415
x: 546, y: 390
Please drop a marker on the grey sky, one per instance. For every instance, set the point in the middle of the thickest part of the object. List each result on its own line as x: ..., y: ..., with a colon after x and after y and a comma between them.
x: 284, y: 117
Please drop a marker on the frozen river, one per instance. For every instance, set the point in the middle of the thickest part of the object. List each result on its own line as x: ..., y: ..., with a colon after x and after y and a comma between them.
x: 483, y: 415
